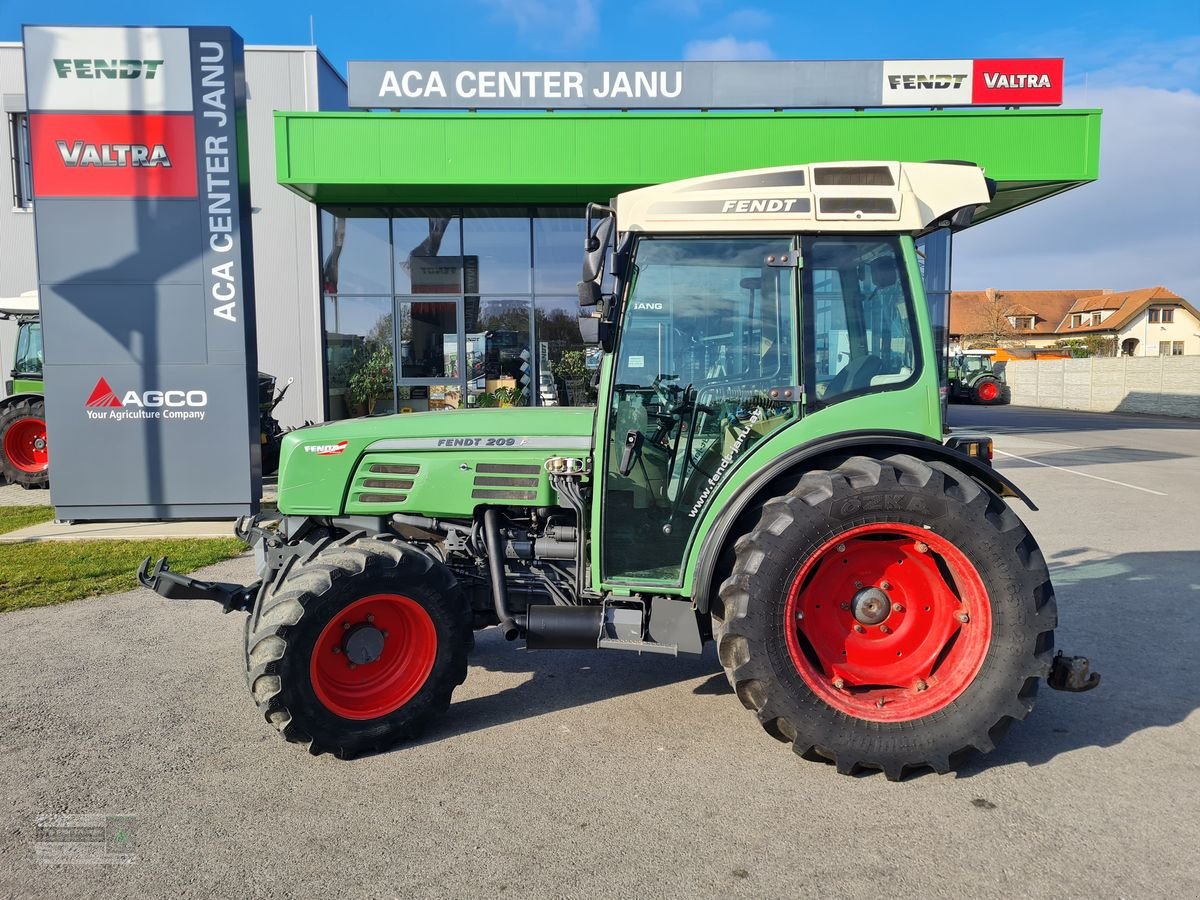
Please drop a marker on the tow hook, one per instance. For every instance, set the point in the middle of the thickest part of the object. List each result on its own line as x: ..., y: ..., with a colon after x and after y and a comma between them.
x: 1072, y: 673
x: 174, y: 586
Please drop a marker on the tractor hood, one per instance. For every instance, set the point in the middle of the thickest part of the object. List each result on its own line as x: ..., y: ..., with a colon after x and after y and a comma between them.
x: 327, y: 469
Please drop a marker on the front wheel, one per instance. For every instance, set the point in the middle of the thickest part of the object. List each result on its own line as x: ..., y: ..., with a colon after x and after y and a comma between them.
x: 358, y: 647
x: 987, y: 391
x: 887, y: 615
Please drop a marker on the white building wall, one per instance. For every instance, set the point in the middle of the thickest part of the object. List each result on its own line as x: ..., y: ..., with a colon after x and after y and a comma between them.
x: 1149, y: 334
x: 18, y: 266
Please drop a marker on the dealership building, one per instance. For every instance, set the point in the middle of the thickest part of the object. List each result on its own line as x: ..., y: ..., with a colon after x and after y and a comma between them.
x: 417, y: 227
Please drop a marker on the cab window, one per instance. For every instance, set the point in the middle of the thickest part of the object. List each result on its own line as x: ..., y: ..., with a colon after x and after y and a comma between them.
x: 859, y: 319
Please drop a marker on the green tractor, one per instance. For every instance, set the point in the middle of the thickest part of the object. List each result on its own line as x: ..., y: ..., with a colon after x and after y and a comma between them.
x: 974, y: 379
x: 24, y: 458
x: 764, y: 470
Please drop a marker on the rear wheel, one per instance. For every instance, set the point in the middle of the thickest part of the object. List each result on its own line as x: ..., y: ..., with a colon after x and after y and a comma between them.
x: 887, y: 615
x: 24, y: 453
x: 358, y: 647
x: 987, y: 390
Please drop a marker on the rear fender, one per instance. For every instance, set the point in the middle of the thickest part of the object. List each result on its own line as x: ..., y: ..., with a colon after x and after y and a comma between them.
x: 817, y: 455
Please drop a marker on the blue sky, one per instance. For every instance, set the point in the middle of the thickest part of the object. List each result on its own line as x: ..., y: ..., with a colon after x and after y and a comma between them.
x: 1139, y: 61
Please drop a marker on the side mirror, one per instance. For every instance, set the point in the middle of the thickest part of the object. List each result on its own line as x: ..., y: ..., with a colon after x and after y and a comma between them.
x: 589, y: 329
x: 589, y: 293
x: 596, y: 243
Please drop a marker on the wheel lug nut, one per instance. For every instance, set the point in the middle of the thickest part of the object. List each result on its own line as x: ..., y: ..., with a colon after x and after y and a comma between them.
x: 885, y: 629
x: 839, y: 683
x: 841, y: 548
x: 858, y: 584
x: 921, y: 686
x: 897, y: 607
x: 922, y: 547
x: 964, y: 618
x: 846, y: 606
x: 352, y: 666
x: 345, y: 626
x: 859, y: 628
x: 884, y: 585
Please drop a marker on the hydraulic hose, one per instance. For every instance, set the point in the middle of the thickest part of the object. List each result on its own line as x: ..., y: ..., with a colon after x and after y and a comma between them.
x: 509, y: 627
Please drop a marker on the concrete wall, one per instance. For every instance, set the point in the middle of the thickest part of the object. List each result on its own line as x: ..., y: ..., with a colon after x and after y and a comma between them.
x: 1166, y: 386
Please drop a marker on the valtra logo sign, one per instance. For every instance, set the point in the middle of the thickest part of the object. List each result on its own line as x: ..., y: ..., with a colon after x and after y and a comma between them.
x: 1016, y: 82
x: 104, y: 404
x: 88, y: 155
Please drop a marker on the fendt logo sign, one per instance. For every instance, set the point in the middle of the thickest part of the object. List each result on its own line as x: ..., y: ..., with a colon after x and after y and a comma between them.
x: 104, y: 404
x: 115, y: 155
x: 107, y: 68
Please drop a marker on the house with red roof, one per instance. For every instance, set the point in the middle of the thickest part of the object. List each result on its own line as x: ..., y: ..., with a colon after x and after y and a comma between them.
x: 1143, y: 322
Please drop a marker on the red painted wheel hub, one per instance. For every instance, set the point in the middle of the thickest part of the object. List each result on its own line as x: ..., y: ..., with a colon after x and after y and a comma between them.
x: 888, y: 622
x: 373, y: 657
x: 25, y: 445
x: 989, y: 391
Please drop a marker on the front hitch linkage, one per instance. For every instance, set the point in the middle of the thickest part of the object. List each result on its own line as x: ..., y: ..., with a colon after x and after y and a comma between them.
x: 174, y: 586
x: 1072, y: 673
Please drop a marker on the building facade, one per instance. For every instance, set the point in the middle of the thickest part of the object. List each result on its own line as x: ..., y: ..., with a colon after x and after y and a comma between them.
x: 423, y: 259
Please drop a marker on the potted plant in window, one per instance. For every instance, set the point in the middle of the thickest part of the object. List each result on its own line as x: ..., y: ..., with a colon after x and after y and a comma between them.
x: 369, y: 377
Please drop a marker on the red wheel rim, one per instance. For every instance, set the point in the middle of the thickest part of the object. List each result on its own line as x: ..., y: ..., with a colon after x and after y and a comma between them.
x: 989, y: 390
x: 899, y: 658
x: 25, y: 445
x: 406, y: 640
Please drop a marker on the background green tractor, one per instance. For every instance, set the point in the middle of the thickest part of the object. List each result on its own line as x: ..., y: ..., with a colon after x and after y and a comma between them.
x: 763, y: 469
x: 973, y: 378
x: 24, y: 456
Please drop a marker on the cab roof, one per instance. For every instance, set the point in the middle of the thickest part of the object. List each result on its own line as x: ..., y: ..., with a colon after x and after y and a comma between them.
x: 860, y: 196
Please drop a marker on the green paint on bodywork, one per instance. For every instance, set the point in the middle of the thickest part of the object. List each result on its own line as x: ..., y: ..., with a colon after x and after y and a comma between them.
x: 28, y: 386
x: 319, y: 476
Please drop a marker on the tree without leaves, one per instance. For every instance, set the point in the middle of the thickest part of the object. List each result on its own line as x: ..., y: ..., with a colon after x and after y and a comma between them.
x: 992, y: 324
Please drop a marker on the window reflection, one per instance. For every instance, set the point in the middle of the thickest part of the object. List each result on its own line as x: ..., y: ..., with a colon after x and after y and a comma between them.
x: 451, y: 307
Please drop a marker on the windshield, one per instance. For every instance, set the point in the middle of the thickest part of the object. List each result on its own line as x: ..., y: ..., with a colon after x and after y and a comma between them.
x: 705, y: 369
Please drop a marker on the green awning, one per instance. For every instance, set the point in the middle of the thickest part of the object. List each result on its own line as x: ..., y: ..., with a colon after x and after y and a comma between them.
x: 563, y: 157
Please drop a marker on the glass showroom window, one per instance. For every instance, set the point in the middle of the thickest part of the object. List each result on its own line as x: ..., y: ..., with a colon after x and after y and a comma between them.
x: 503, y: 327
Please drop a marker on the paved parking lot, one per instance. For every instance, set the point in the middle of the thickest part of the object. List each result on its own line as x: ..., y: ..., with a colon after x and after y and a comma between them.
x: 605, y: 775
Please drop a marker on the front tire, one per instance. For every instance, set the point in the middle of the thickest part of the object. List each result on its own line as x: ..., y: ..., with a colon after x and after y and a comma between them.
x: 24, y: 456
x: 357, y: 647
x: 987, y: 391
x: 888, y: 615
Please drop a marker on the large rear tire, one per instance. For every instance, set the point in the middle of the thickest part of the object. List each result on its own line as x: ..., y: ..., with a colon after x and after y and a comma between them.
x: 987, y: 391
x: 357, y: 647
x: 24, y: 456
x: 888, y: 615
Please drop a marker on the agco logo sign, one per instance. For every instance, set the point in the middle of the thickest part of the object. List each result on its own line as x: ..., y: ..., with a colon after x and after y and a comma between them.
x: 105, y: 404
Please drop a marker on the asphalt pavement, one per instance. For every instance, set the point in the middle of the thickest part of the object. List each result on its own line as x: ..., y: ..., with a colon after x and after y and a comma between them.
x: 576, y: 774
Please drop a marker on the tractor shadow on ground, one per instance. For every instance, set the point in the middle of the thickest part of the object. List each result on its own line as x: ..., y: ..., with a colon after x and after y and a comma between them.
x: 1133, y: 616
x: 564, y: 679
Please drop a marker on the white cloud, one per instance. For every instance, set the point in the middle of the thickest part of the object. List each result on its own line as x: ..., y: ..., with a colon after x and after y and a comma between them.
x: 727, y: 47
x: 748, y: 18
x: 1137, y: 226
x: 548, y: 23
